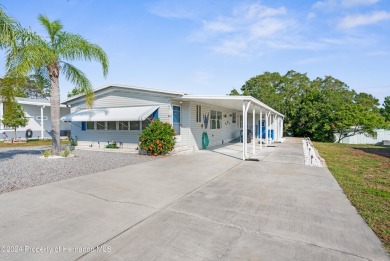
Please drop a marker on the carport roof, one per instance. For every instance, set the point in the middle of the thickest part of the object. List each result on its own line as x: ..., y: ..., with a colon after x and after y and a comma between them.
x: 231, y: 102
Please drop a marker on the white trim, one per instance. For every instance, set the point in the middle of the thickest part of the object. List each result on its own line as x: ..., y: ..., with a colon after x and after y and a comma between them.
x: 41, y: 118
x: 128, y: 87
x: 229, y: 99
x: 136, y: 113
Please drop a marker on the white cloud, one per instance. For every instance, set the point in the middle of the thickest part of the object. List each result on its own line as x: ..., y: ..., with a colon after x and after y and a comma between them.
x: 350, y: 3
x: 245, y: 28
x: 218, y: 26
x: 328, y: 5
x: 352, y: 21
x: 268, y: 27
x: 255, y: 11
x: 311, y: 15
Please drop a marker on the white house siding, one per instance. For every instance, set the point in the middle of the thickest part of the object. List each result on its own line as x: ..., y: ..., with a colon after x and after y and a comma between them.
x: 228, y: 132
x: 119, y: 98
x: 32, y: 112
x: 382, y: 135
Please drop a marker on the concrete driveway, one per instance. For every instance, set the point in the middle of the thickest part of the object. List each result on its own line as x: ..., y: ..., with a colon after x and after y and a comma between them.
x: 206, y: 205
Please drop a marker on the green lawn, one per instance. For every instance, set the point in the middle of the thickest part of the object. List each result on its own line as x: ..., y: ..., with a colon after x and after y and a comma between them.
x: 363, y: 172
x: 30, y: 143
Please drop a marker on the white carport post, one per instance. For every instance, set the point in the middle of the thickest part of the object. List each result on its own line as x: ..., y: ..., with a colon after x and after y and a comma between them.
x: 254, y: 130
x: 275, y: 127
x: 266, y: 128
x: 261, y: 128
x: 243, y: 134
x: 245, y: 108
x: 281, y: 128
x: 42, y: 135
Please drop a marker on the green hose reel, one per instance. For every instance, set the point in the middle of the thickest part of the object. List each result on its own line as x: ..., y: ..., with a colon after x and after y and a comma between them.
x: 205, y: 140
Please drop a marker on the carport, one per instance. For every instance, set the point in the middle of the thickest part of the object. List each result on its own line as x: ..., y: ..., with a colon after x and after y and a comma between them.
x: 248, y: 105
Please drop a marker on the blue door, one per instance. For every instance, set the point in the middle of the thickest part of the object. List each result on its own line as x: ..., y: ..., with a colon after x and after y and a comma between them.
x: 176, y: 119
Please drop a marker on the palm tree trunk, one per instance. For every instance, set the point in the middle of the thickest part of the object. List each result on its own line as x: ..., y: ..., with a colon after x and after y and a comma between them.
x: 55, y: 108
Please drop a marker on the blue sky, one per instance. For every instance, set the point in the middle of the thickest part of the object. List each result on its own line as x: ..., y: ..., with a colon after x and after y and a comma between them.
x: 209, y: 47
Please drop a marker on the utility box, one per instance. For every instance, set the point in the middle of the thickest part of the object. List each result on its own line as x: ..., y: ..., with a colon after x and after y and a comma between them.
x: 249, y: 136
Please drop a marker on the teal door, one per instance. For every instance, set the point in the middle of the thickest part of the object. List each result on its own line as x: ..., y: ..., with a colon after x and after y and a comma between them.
x: 176, y: 119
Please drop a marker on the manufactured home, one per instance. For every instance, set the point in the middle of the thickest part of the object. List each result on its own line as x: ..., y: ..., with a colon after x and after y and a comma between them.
x: 37, y: 111
x: 120, y: 113
x: 381, y: 136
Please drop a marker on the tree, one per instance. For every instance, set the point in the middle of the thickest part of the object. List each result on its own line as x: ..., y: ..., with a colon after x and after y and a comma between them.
x: 36, y: 87
x: 385, y: 111
x: 14, y: 116
x: 33, y: 86
x: 74, y: 92
x: 234, y: 92
x: 48, y: 56
x: 356, y: 119
x: 9, y: 30
x: 315, y: 108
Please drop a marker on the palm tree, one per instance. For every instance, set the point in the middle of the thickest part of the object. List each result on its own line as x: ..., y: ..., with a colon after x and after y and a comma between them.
x: 9, y: 29
x: 48, y: 57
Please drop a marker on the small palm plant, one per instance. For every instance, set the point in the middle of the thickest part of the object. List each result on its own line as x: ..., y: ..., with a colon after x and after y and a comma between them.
x: 48, y: 56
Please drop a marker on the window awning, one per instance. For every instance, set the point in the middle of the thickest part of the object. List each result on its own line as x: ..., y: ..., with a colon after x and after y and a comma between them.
x: 111, y: 114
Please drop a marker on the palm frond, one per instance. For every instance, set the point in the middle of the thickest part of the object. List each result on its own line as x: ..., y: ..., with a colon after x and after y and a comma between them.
x: 81, y: 81
x: 31, y: 53
x: 75, y: 47
x: 52, y: 28
x: 9, y: 29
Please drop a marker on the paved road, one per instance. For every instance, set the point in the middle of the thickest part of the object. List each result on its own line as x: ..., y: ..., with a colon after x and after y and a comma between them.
x: 206, y: 205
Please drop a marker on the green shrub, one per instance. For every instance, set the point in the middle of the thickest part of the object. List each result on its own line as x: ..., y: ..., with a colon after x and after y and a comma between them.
x: 112, y: 145
x: 158, y: 138
x: 65, y: 153
x: 46, y: 153
x: 74, y: 142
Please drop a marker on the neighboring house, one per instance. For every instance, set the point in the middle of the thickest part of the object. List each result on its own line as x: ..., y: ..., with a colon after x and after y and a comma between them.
x: 39, y: 121
x: 120, y: 113
x: 363, y: 138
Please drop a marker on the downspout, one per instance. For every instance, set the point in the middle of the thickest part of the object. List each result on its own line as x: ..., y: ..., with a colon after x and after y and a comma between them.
x: 42, y: 129
x: 254, y: 131
x: 261, y: 128
x: 246, y: 129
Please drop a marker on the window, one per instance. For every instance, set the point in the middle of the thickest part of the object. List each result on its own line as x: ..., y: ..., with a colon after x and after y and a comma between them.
x: 134, y: 125
x: 239, y: 123
x: 215, y: 120
x: 100, y: 125
x: 234, y: 117
x: 90, y: 125
x: 219, y: 119
x: 198, y: 113
x: 39, y: 118
x: 111, y: 125
x: 123, y: 125
x: 145, y: 123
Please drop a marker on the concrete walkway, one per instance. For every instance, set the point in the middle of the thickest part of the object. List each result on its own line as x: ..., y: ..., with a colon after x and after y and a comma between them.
x: 206, y: 205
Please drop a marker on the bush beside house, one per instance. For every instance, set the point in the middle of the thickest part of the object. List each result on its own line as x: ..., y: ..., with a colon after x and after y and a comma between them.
x: 158, y: 138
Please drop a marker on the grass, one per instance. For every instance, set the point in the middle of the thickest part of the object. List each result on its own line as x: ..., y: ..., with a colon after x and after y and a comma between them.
x: 30, y: 143
x: 363, y: 172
